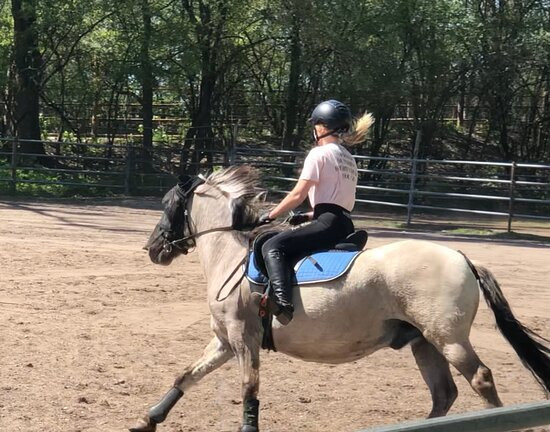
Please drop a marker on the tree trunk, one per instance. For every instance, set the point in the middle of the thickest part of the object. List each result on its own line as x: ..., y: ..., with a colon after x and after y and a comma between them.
x: 147, y: 87
x: 199, y: 135
x: 209, y: 36
x: 27, y: 75
x: 291, y: 109
x: 461, y: 102
x: 504, y: 141
x: 380, y: 130
x: 428, y: 128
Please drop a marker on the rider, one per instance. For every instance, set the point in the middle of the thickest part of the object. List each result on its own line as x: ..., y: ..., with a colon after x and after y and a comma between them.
x: 329, y: 178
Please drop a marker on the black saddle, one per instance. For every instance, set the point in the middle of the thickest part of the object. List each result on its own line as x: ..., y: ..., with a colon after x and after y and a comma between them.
x: 356, y: 241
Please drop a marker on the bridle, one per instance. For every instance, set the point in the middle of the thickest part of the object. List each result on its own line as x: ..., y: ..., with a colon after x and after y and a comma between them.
x: 184, y: 189
x: 186, y: 247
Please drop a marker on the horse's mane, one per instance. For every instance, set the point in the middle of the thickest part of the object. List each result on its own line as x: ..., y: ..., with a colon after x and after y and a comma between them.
x: 236, y: 181
x: 240, y: 183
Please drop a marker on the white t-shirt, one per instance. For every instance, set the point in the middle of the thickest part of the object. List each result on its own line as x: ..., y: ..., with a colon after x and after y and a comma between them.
x: 334, y: 171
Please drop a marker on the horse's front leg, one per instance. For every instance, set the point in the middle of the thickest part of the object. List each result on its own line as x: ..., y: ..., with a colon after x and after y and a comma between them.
x: 215, y: 354
x: 249, y: 364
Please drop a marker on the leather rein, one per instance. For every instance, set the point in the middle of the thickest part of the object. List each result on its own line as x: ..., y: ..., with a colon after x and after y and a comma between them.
x: 176, y: 243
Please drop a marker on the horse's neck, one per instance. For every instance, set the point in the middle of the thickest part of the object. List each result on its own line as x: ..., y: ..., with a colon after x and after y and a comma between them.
x: 220, y: 254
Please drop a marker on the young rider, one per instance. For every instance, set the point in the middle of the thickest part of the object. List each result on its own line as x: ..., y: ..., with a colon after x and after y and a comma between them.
x: 329, y: 178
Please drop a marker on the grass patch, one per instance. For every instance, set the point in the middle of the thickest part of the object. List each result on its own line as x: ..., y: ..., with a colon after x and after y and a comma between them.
x: 471, y: 231
x: 498, y: 235
x: 38, y: 181
x: 521, y: 236
x: 373, y: 223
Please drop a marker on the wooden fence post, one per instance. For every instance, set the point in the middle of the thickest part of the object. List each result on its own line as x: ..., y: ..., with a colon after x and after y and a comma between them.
x: 410, y: 205
x: 129, y: 169
x: 511, y: 195
x: 14, y: 148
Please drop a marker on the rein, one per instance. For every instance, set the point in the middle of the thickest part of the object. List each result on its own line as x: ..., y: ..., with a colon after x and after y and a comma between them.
x: 241, y: 262
x: 175, y: 243
x: 236, y: 284
x: 194, y: 236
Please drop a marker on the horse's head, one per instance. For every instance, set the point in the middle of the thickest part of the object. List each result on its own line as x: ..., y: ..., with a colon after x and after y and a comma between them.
x: 195, y: 206
x: 168, y: 239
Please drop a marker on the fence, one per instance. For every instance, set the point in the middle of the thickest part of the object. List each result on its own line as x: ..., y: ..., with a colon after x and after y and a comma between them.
x: 503, y: 189
x: 494, y: 420
x: 69, y: 168
x: 171, y: 115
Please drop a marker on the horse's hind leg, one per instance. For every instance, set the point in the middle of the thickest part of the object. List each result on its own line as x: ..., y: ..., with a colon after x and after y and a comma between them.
x: 435, y: 371
x: 215, y: 354
x: 462, y: 356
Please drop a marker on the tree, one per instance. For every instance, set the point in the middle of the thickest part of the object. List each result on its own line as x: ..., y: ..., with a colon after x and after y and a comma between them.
x: 510, y: 60
x: 432, y: 65
x: 28, y: 68
x: 147, y: 81
x: 6, y: 38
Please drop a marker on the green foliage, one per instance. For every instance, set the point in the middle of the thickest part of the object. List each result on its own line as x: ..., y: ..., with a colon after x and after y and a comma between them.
x: 264, y: 64
x: 41, y: 182
x: 6, y: 38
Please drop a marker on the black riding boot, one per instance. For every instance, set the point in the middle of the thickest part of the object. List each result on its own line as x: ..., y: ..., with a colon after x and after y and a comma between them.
x: 280, y: 279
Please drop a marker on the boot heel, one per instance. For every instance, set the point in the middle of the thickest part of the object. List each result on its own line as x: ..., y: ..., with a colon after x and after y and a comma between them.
x: 285, y: 314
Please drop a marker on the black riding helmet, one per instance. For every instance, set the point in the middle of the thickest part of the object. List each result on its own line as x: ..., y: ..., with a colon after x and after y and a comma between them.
x: 333, y: 114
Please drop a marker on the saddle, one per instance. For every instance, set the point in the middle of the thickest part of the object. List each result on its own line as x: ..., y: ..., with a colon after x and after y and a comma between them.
x: 319, y: 266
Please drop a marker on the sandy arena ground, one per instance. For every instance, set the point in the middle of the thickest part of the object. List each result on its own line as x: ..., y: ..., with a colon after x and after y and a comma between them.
x: 92, y: 333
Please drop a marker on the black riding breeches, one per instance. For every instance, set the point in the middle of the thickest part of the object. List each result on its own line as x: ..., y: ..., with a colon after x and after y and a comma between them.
x: 331, y: 224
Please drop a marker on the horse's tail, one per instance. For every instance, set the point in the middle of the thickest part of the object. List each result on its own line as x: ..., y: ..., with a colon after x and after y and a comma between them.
x: 532, y: 349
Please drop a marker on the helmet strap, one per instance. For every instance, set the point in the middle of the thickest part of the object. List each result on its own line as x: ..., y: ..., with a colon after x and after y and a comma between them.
x: 317, y: 137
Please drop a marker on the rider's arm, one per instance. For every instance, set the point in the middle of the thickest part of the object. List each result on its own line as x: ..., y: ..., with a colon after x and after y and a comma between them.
x: 294, y: 198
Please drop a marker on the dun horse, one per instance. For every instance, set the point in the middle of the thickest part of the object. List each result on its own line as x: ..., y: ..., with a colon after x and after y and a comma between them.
x: 409, y: 292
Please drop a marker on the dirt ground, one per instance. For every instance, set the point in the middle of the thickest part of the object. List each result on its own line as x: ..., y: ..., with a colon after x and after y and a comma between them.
x: 92, y: 333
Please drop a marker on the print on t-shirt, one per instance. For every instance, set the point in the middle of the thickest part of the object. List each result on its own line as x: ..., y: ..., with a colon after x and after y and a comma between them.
x: 347, y: 167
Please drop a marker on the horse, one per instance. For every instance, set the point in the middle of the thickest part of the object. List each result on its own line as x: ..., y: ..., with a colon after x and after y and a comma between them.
x: 410, y: 292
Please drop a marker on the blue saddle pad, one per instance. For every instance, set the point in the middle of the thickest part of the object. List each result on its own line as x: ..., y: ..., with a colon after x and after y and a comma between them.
x: 318, y: 267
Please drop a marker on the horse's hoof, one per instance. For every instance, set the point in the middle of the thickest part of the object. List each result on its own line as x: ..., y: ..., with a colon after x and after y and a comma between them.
x: 248, y: 428
x: 144, y: 425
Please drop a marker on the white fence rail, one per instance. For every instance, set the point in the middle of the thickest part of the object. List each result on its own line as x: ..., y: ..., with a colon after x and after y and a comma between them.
x: 504, y: 419
x: 507, y: 189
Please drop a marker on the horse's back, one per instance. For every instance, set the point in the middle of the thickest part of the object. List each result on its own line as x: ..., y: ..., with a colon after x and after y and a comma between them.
x: 423, y: 283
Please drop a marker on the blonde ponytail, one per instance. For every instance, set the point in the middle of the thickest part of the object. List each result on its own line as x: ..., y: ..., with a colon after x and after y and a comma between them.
x: 358, y: 132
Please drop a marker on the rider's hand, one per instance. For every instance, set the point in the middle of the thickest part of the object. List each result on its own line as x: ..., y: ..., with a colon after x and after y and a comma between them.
x: 264, y: 219
x: 298, y: 218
